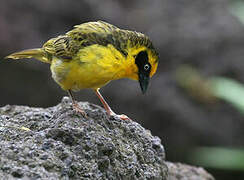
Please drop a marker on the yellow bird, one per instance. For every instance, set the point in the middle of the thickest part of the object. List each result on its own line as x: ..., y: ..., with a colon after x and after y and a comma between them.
x: 93, y: 54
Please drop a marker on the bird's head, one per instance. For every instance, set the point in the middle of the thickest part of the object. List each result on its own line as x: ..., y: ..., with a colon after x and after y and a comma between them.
x: 146, y: 63
x: 144, y: 60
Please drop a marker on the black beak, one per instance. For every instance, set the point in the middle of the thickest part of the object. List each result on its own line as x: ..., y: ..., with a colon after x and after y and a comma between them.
x: 144, y: 81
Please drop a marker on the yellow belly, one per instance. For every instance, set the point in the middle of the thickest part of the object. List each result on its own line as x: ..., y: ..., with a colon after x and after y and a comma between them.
x: 93, y: 67
x: 75, y: 76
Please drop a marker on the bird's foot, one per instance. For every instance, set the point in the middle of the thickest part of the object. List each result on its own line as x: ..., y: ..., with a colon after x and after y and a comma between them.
x: 121, y: 116
x: 108, y: 109
x: 78, y: 109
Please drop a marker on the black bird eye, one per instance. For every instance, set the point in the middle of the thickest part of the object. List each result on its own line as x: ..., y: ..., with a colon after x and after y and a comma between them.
x: 146, y: 67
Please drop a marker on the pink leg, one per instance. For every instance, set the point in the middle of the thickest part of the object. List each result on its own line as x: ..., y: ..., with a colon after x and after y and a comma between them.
x: 107, y: 107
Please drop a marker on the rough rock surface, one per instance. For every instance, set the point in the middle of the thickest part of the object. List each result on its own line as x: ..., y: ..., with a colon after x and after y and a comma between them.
x: 179, y: 171
x: 62, y: 144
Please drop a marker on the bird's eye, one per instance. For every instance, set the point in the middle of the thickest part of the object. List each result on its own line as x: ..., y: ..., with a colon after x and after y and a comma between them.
x: 146, y: 67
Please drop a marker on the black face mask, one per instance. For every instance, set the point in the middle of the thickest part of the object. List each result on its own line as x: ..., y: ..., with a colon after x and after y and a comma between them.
x: 144, y: 69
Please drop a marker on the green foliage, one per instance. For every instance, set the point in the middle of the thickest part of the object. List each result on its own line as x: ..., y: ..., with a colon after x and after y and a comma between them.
x: 237, y: 9
x: 229, y: 90
x: 210, y: 90
x: 219, y: 158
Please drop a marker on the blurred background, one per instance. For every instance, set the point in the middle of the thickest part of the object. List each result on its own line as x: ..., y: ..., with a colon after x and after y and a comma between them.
x: 195, y: 102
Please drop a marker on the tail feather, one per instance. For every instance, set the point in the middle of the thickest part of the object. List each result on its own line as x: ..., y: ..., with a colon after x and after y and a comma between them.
x: 37, y: 53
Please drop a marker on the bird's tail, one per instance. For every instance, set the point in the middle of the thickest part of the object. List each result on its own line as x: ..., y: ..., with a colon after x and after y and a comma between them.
x: 37, y: 53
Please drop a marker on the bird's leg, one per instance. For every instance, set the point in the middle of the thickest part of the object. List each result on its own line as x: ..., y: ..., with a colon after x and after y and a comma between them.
x: 75, y: 105
x: 107, y: 107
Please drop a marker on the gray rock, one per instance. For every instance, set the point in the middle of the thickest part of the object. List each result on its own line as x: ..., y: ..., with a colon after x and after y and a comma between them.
x: 62, y: 144
x: 179, y: 171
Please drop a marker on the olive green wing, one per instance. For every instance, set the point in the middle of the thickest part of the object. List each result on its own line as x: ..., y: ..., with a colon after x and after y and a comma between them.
x: 83, y: 35
x: 62, y: 46
x: 90, y: 33
x: 100, y: 27
x: 100, y: 33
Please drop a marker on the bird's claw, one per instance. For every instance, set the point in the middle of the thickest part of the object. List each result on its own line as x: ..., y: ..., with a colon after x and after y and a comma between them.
x: 78, y: 109
x: 120, y: 116
x: 123, y: 117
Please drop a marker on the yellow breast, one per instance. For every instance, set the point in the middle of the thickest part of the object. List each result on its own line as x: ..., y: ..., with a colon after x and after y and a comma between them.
x: 92, y: 67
